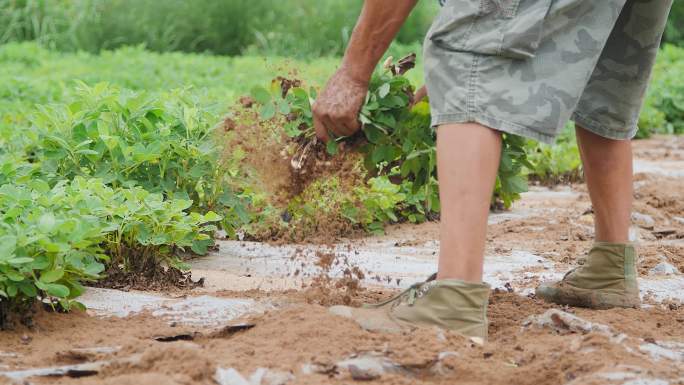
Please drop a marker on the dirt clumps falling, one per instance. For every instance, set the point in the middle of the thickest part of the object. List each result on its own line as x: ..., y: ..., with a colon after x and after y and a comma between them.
x: 299, y: 187
x: 325, y: 290
x: 257, y: 147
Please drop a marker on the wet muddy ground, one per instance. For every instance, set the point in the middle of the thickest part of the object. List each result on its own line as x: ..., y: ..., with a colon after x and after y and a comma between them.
x: 261, y: 316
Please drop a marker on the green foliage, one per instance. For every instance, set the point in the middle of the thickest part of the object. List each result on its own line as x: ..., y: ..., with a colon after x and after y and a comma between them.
x: 164, y: 145
x: 666, y: 94
x: 290, y: 28
x: 328, y: 200
x: 126, y: 139
x: 652, y: 120
x: 113, y: 177
x: 34, y: 75
x: 557, y: 163
x: 375, y: 204
x: 49, y: 240
x: 143, y: 226
x: 162, y: 169
x: 674, y: 33
x: 55, y: 238
x: 510, y: 181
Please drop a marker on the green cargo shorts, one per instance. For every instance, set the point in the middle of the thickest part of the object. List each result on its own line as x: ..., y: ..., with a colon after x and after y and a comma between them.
x: 528, y: 66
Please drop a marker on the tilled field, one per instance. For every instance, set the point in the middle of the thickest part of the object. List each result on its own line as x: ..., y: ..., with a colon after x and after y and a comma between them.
x: 261, y: 316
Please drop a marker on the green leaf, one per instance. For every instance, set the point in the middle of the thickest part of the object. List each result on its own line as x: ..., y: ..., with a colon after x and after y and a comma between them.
x: 28, y: 289
x: 8, y: 244
x: 57, y: 290
x: 384, y: 90
x: 20, y: 260
x: 94, y: 268
x: 283, y: 107
x: 47, y: 222
x: 267, y: 111
x: 51, y: 276
x: 261, y: 95
x: 332, y: 147
x: 201, y: 246
x: 211, y: 216
x: 373, y: 134
x: 514, y: 184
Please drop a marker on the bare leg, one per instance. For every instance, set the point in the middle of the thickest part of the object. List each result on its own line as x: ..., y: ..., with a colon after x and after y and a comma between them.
x: 608, y: 172
x: 467, y: 161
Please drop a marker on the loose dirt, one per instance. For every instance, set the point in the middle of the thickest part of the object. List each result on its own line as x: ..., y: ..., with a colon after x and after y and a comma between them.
x: 151, y: 277
x: 300, y: 331
x: 280, y: 169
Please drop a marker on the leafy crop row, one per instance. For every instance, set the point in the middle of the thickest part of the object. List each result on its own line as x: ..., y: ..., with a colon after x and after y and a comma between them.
x: 55, y: 238
x: 113, y: 178
x: 104, y: 176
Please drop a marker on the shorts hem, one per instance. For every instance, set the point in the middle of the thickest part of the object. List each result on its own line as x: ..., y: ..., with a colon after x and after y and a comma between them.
x: 493, y: 123
x: 601, y: 130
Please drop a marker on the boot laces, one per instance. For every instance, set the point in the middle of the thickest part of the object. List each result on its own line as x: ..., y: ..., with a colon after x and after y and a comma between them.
x: 408, y: 296
x: 580, y: 263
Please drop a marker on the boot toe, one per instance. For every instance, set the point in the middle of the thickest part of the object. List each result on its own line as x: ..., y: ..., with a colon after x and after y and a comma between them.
x: 547, y: 291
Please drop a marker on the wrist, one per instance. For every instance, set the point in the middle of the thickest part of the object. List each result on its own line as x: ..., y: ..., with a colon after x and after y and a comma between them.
x: 359, y: 71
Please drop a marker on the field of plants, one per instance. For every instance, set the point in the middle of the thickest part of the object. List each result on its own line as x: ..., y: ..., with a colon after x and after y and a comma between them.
x: 102, y: 167
x: 129, y: 168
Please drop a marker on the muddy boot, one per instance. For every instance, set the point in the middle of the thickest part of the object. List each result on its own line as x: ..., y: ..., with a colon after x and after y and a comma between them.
x: 449, y: 304
x: 606, y: 279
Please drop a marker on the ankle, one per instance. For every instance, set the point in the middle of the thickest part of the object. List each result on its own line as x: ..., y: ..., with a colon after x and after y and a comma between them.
x: 611, y: 236
x: 473, y: 277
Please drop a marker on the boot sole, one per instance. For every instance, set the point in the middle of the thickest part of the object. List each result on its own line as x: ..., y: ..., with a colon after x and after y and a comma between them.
x: 593, y: 299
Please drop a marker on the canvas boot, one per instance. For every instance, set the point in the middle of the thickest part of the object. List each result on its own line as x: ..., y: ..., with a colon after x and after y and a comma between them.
x: 448, y: 303
x: 606, y: 279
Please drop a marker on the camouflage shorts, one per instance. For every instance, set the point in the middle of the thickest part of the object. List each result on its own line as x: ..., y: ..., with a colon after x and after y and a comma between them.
x: 528, y: 66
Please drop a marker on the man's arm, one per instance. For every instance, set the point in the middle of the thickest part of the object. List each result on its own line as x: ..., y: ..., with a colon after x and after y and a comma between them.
x: 337, y: 107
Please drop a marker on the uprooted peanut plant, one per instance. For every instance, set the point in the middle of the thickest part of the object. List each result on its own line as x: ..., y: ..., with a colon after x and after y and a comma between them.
x: 386, y: 173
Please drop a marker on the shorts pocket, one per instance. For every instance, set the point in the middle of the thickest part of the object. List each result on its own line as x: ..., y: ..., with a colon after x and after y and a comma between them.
x: 511, y: 28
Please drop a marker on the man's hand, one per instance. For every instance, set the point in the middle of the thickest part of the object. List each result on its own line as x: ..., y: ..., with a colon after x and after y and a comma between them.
x: 337, y: 107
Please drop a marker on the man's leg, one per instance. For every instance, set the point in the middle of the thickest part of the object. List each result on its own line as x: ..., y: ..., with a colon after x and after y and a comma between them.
x: 608, y: 276
x: 467, y: 161
x: 608, y: 173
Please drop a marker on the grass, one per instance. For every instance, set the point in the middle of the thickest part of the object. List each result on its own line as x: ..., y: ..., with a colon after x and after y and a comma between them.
x: 34, y: 75
x: 299, y: 28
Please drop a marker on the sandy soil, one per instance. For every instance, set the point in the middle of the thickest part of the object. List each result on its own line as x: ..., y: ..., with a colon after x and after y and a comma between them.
x: 300, y: 332
x: 285, y: 339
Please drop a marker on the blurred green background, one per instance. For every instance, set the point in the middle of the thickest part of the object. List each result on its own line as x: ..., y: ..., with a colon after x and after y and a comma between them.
x: 299, y: 28
x: 224, y: 47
